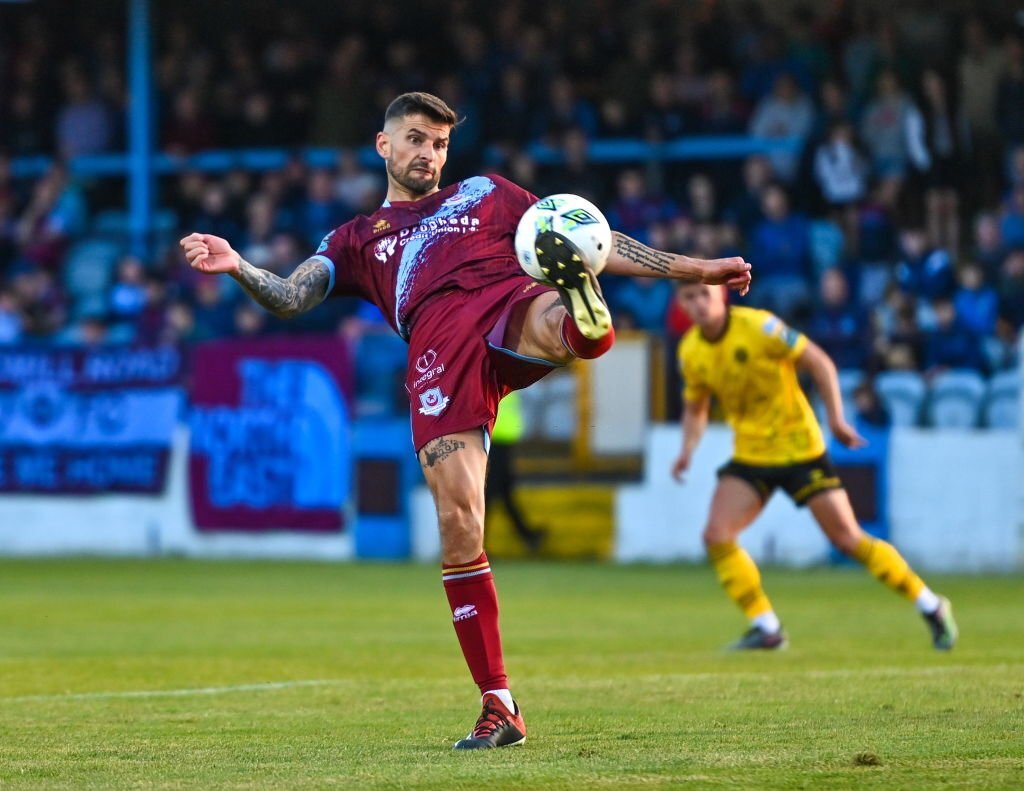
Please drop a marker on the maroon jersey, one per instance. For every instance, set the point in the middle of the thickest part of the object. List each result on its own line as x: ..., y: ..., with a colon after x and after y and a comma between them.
x: 460, y: 238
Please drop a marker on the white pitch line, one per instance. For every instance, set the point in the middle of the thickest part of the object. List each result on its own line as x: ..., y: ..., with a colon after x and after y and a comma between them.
x: 177, y: 693
x: 929, y: 670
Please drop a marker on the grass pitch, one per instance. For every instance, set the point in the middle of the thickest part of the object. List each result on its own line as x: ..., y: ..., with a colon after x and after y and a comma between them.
x: 181, y: 674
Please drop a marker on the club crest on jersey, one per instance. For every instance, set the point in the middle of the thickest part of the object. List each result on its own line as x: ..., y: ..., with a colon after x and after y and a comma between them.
x: 433, y: 401
x: 385, y: 248
x: 381, y: 225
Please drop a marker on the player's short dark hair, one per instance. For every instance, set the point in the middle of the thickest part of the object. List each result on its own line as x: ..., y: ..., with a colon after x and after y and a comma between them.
x: 420, y: 103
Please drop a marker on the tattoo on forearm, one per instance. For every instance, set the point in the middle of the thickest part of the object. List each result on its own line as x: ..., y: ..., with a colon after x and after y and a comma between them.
x: 303, y: 289
x: 642, y: 255
x: 440, y: 449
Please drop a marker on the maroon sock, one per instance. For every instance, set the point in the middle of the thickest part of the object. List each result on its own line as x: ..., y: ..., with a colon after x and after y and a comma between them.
x: 582, y: 346
x: 474, y: 602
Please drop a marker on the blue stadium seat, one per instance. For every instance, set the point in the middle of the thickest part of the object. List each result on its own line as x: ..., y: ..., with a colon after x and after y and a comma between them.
x: 849, y: 379
x: 380, y: 361
x: 955, y: 399
x: 1002, y: 401
x: 903, y: 393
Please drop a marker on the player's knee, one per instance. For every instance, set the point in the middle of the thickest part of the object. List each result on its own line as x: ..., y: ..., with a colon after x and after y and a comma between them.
x: 461, y: 530
x: 716, y: 532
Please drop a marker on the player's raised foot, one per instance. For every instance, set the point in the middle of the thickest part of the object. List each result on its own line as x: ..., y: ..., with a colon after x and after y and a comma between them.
x: 497, y: 727
x: 942, y: 625
x: 566, y: 269
x: 758, y: 639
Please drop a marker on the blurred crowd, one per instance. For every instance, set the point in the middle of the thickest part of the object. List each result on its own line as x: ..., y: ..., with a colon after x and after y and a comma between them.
x: 893, y: 232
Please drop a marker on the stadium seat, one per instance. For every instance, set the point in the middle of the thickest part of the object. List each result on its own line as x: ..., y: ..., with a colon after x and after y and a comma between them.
x: 955, y: 399
x: 903, y: 393
x: 1002, y: 401
x: 380, y: 364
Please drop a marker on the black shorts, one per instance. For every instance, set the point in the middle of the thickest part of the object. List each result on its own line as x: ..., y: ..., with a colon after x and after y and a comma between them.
x: 801, y: 481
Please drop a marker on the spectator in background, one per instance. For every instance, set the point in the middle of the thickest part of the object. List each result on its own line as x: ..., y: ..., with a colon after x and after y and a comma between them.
x: 84, y: 125
x: 213, y: 314
x: 975, y: 302
x: 893, y: 130
x: 944, y: 176
x: 214, y: 215
x: 842, y: 173
x: 745, y: 209
x: 508, y: 116
x: 55, y: 213
x: 189, y: 128
x: 988, y: 244
x: 343, y: 97
x: 898, y: 340
x: 979, y: 69
x: 1011, y: 222
x: 261, y: 217
x: 923, y: 269
x: 1011, y: 289
x: 837, y: 324
x: 665, y: 118
x: 321, y: 211
x: 722, y: 112
x: 576, y: 173
x: 701, y: 199
x: 636, y: 209
x: 564, y: 111
x: 23, y: 130
x: 781, y: 246
x: 1010, y: 95
x: 951, y: 344
x: 128, y: 296
x: 869, y: 409
x: 360, y: 190
x: 786, y: 114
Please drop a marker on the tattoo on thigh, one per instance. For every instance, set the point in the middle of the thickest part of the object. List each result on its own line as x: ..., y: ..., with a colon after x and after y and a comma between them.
x: 440, y: 450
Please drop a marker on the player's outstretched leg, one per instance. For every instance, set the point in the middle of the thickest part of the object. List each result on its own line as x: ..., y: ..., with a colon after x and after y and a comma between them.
x: 835, y: 515
x: 567, y: 270
x: 454, y: 466
x: 733, y: 507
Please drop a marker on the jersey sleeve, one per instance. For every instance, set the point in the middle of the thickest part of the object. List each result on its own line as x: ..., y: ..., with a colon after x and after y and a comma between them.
x: 515, y: 200
x: 337, y: 253
x: 780, y: 341
x: 694, y: 386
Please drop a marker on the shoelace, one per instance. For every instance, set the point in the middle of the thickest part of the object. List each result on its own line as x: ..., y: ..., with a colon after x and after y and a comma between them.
x: 490, y: 720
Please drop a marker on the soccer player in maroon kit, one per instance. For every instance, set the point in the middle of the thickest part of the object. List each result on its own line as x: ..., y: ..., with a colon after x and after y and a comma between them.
x: 441, y: 266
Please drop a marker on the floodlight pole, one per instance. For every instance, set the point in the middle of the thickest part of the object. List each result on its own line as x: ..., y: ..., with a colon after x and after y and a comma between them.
x: 140, y: 126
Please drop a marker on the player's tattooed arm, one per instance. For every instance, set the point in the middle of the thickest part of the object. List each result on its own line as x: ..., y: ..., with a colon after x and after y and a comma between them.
x: 440, y: 449
x: 630, y: 257
x: 303, y: 289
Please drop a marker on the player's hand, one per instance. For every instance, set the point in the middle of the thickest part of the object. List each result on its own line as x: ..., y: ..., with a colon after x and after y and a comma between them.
x: 733, y: 273
x: 847, y: 435
x: 681, y: 465
x: 209, y: 254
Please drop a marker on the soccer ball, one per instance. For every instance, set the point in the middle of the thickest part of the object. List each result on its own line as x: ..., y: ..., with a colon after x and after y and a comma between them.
x: 576, y: 220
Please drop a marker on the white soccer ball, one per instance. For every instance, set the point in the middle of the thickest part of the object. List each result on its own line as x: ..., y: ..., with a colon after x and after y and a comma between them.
x: 575, y: 219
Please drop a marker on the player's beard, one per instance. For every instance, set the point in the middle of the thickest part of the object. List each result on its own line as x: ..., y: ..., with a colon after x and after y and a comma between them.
x: 411, y: 180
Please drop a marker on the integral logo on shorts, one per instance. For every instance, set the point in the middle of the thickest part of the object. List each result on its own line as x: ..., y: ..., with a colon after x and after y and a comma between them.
x: 463, y: 611
x: 426, y: 360
x: 433, y: 401
x: 385, y: 248
x: 428, y: 368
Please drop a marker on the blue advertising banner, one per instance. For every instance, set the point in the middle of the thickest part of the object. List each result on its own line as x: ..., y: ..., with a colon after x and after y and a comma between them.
x: 87, y: 420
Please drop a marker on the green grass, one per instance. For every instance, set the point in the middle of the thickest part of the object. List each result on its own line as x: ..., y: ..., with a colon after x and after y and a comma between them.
x: 619, y: 671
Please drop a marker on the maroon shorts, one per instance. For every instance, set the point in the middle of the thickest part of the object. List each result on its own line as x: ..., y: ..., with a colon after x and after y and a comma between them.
x: 459, y: 366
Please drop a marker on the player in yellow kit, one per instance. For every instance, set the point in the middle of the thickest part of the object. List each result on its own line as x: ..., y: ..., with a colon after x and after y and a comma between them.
x: 748, y: 360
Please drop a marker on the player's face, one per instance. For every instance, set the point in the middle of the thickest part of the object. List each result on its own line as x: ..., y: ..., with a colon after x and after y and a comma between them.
x: 704, y: 304
x: 414, y: 149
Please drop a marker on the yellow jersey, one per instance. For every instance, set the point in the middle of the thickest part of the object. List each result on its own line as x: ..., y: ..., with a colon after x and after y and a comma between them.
x: 750, y: 370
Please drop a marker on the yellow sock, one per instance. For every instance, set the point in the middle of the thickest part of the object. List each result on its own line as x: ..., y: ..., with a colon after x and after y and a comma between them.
x: 739, y: 576
x: 885, y: 562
